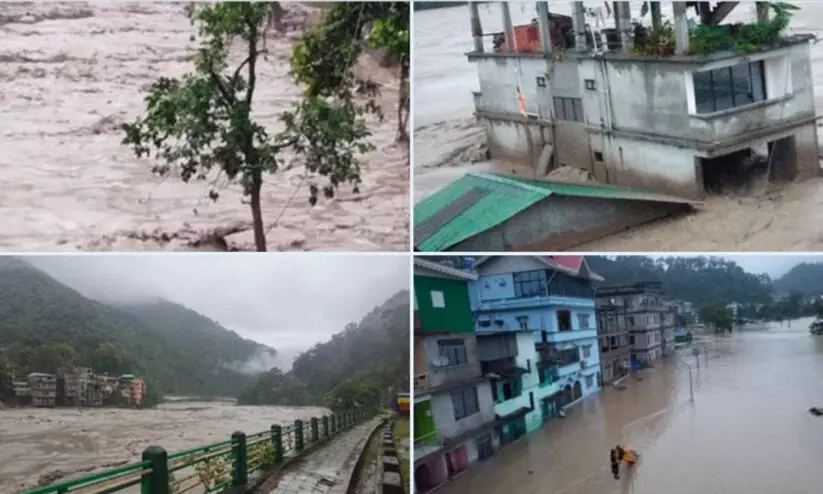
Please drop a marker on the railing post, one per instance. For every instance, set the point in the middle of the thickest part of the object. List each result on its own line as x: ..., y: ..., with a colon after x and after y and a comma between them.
x: 315, y: 433
x: 277, y: 440
x: 333, y: 419
x: 238, y: 442
x: 156, y: 482
x: 298, y: 436
x: 325, y: 426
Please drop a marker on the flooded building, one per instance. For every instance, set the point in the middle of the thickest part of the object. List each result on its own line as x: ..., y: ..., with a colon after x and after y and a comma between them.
x: 76, y: 385
x: 21, y: 389
x: 551, y: 298
x: 615, y: 351
x: 454, y: 415
x: 43, y: 389
x: 132, y: 388
x: 648, y: 319
x: 634, y: 104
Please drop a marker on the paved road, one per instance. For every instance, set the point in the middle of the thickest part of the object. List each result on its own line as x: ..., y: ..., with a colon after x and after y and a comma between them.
x: 326, y: 470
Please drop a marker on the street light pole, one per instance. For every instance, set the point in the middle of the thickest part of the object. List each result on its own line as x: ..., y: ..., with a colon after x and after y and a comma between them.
x: 691, y: 385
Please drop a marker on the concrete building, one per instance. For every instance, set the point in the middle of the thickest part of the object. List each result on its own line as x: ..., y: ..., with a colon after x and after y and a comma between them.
x: 454, y: 415
x: 573, y: 91
x: 77, y: 385
x: 22, y: 389
x: 615, y: 351
x: 43, y: 389
x: 648, y: 319
x: 551, y: 297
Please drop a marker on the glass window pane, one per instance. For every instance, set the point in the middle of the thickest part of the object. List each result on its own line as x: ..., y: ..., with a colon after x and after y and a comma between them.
x: 742, y: 85
x: 722, y: 84
x: 568, y: 108
x: 578, y: 110
x: 758, y: 82
x: 558, y: 109
x: 703, y: 92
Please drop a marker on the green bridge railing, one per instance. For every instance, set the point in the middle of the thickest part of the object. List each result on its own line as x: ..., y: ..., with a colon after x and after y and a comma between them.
x: 214, y: 467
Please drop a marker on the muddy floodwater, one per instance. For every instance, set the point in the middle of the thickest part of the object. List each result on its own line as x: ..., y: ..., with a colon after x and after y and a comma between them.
x: 72, y: 73
x: 42, y: 444
x: 748, y: 430
x: 780, y: 217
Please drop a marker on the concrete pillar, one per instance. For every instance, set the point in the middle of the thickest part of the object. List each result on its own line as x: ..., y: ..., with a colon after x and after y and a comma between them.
x: 507, y: 26
x: 477, y: 28
x: 657, y: 16
x: 623, y: 19
x: 543, y: 23
x: 762, y: 11
x: 579, y: 21
x: 681, y: 28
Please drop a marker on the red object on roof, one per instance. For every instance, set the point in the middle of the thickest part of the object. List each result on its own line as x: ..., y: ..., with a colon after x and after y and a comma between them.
x: 572, y: 262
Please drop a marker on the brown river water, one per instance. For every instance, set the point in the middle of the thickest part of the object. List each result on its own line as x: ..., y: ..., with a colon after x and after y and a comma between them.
x: 45, y: 443
x: 782, y: 217
x: 71, y: 73
x: 748, y: 430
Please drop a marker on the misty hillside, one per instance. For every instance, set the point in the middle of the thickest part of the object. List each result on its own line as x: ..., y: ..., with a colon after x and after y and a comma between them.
x: 701, y: 280
x: 45, y: 324
x: 805, y: 279
x: 197, y: 335
x: 365, y: 363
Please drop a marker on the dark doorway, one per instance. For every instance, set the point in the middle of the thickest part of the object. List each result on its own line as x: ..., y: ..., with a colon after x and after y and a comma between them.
x: 746, y: 172
x: 564, y: 320
x: 578, y: 390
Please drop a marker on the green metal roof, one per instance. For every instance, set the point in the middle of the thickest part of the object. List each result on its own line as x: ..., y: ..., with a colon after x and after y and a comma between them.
x: 477, y: 202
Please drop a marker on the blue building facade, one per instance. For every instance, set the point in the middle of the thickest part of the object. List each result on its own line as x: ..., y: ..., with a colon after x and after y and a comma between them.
x: 552, y: 299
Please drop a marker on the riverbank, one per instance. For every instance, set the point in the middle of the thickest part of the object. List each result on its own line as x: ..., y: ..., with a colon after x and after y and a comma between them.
x: 44, y: 445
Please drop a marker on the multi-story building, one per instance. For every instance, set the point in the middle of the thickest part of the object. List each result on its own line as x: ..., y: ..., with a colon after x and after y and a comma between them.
x: 551, y: 298
x: 21, y: 389
x: 602, y: 94
x: 43, y: 389
x: 615, y: 351
x: 76, y: 385
x: 454, y: 415
x: 648, y: 319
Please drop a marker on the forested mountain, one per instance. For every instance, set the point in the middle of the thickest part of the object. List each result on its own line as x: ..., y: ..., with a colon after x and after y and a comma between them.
x: 45, y: 324
x: 364, y: 364
x: 805, y: 279
x: 700, y: 280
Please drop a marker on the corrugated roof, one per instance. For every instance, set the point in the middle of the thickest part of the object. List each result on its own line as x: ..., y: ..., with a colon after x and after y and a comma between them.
x: 478, y: 201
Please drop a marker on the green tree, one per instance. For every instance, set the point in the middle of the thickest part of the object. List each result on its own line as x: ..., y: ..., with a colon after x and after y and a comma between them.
x: 717, y: 315
x: 201, y: 125
x: 351, y: 393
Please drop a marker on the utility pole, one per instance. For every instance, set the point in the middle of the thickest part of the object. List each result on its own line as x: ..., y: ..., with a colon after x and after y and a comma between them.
x: 691, y: 384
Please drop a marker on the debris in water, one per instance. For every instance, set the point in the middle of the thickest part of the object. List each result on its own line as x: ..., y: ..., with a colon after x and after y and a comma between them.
x: 816, y: 411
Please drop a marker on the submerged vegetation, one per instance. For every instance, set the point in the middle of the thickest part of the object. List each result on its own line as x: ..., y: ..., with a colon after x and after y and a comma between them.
x: 705, y: 39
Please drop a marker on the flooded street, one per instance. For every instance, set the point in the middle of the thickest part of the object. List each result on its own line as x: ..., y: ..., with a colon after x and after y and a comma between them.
x: 43, y: 443
x: 783, y: 217
x: 72, y: 73
x: 748, y: 430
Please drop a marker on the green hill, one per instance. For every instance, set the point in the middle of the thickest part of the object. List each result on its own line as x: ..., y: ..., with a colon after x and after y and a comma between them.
x: 803, y: 279
x: 45, y: 324
x: 365, y: 364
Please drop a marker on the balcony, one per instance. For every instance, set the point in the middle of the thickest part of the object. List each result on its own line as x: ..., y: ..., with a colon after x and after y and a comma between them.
x: 532, y: 302
x: 571, y: 335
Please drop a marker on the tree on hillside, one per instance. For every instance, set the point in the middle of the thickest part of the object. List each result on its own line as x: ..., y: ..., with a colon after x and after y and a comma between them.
x: 816, y: 328
x: 323, y: 58
x: 718, y: 316
x: 352, y: 393
x: 201, y: 127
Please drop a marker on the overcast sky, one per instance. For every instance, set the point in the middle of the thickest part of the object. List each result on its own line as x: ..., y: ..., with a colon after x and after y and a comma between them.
x: 775, y: 265
x: 286, y: 301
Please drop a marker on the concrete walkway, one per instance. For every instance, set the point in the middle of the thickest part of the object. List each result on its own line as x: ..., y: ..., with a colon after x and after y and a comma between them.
x: 327, y: 470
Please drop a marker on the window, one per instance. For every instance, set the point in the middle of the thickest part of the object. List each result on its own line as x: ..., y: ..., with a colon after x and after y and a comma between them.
x: 464, y: 402
x: 583, y: 321
x: 523, y: 322
x: 568, y: 286
x: 589, y: 381
x: 729, y: 87
x: 587, y: 351
x: 530, y: 284
x: 569, y: 109
x: 631, y: 339
x: 564, y: 320
x: 598, y: 156
x: 438, y: 301
x: 454, y: 351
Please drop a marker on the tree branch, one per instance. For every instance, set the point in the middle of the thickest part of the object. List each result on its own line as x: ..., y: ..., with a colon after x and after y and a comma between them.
x: 236, y: 74
x: 228, y: 97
